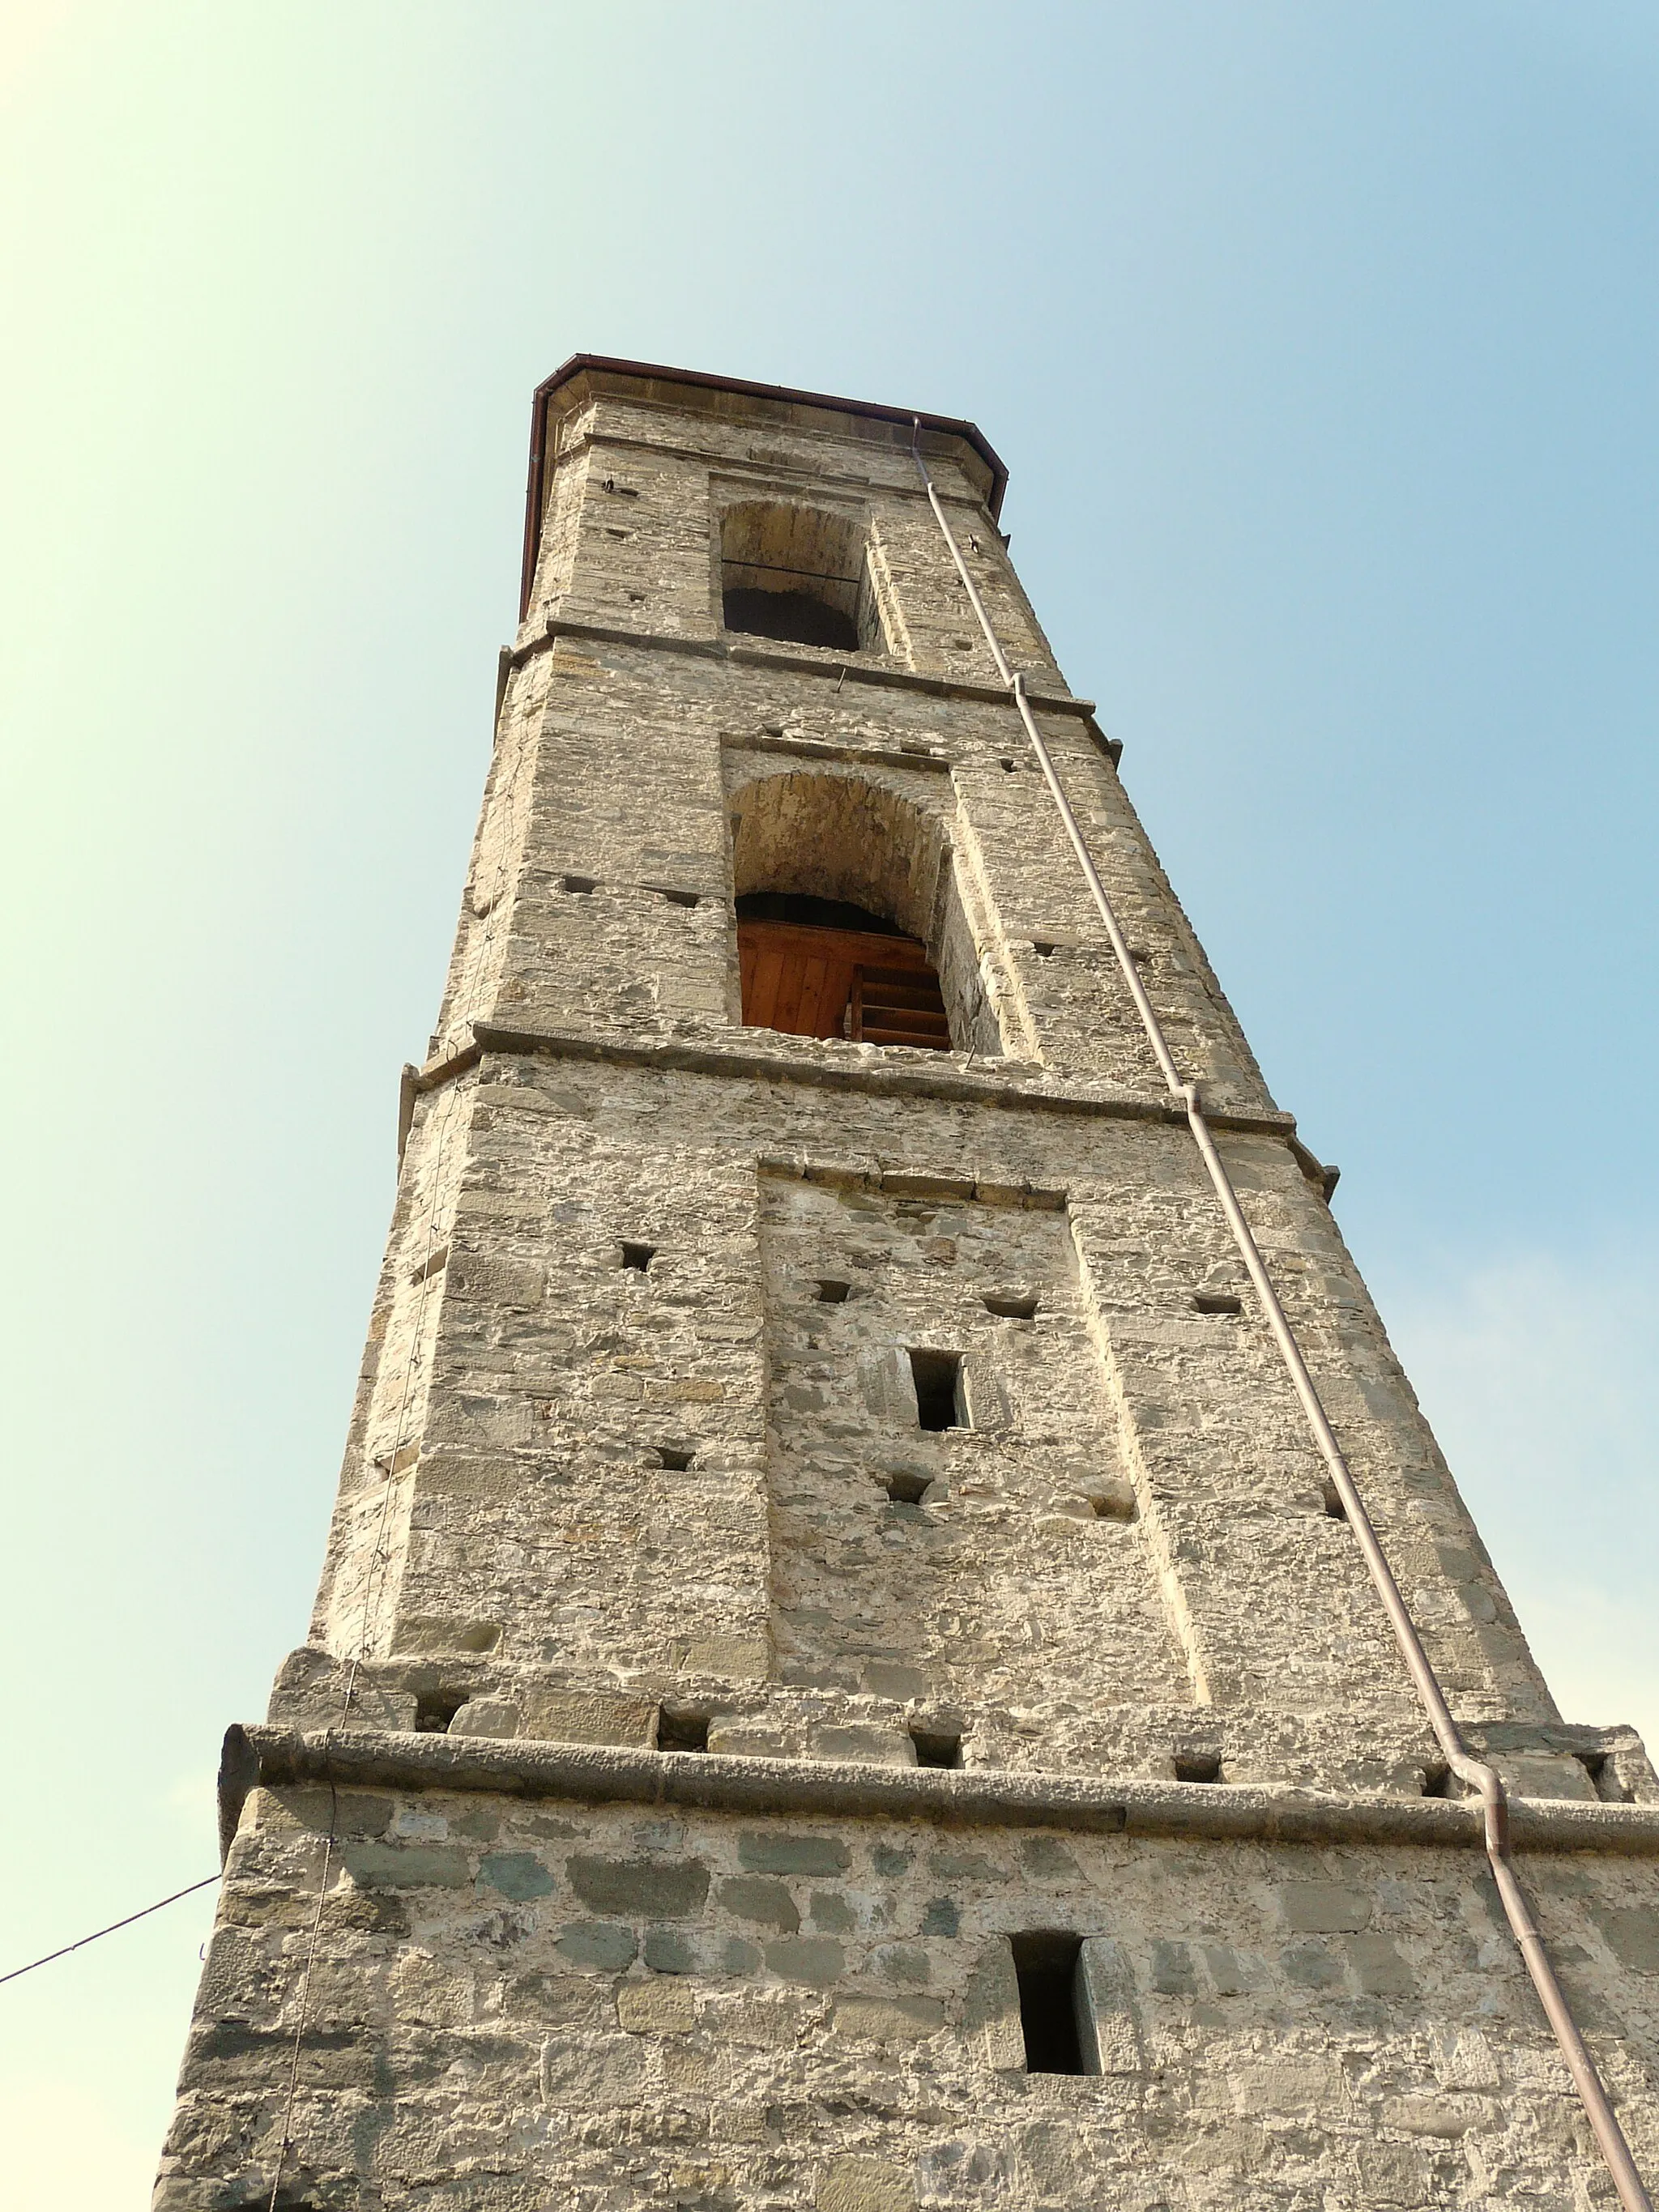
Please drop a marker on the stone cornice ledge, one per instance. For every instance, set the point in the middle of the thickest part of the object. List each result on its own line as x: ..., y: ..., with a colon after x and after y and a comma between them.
x: 814, y: 662
x: 367, y: 1759
x: 951, y: 1081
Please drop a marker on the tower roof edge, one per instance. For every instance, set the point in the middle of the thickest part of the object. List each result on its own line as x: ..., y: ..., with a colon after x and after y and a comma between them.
x: 591, y: 365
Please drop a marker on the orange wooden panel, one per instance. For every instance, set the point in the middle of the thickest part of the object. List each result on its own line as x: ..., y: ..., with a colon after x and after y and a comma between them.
x: 769, y: 971
x: 799, y: 980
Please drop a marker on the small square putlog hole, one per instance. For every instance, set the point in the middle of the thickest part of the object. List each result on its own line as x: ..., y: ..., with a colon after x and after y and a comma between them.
x: 937, y: 1746
x: 676, y: 1458
x: 1010, y: 1305
x: 1438, y: 1782
x: 905, y: 1488
x: 1198, y: 1766
x: 1217, y: 1302
x: 435, y: 1709
x: 638, y: 1256
x: 1114, y: 1502
x: 1335, y: 1509
x: 938, y: 1379
x: 678, y: 1730
x: 1045, y: 1969
x: 830, y: 1292
x: 580, y: 886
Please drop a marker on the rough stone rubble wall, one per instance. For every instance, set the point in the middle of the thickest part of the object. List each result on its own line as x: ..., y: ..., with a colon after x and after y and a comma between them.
x: 523, y: 2006
x: 593, y: 1503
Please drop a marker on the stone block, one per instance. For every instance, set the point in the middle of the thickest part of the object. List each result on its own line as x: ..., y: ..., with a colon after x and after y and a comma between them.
x: 759, y: 1899
x: 519, y: 1875
x: 816, y: 1959
x: 865, y: 1746
x: 588, y: 2070
x: 592, y: 1717
x: 768, y: 1851
x: 486, y: 1717
x: 888, y: 2020
x: 1323, y: 1908
x: 656, y: 2007
x: 864, y: 2184
x: 643, y: 1889
x: 407, y: 1866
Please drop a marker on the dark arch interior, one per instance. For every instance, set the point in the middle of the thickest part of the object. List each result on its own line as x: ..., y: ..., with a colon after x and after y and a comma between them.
x: 814, y: 913
x: 794, y: 617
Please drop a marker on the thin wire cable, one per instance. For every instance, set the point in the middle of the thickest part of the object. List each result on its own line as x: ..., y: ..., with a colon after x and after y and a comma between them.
x: 1609, y: 2136
x: 143, y: 1913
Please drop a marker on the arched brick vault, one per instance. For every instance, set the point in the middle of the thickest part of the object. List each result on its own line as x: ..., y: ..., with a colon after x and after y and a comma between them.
x: 854, y: 838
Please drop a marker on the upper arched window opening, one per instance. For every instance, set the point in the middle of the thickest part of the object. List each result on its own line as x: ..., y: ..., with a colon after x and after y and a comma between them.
x: 798, y: 574
x: 849, y: 923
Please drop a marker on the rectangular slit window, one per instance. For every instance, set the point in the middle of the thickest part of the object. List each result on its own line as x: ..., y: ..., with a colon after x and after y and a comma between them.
x: 435, y: 1709
x: 1217, y: 1302
x: 936, y: 1747
x: 1045, y: 1968
x: 1198, y: 1766
x: 674, y: 897
x: 938, y: 1379
x: 681, y: 1731
x: 433, y: 1264
x: 638, y: 1256
x: 1604, y: 1777
x: 905, y: 1488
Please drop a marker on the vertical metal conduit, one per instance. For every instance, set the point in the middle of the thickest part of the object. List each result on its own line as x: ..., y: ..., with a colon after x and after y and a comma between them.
x: 1609, y: 2136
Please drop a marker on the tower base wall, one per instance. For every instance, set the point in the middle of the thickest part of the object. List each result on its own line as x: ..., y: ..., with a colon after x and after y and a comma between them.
x: 516, y: 2003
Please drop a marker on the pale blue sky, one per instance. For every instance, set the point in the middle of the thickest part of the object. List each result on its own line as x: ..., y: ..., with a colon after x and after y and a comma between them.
x: 1320, y: 339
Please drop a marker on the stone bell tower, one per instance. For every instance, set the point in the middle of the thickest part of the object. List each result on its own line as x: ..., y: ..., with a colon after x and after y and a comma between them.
x: 843, y: 1675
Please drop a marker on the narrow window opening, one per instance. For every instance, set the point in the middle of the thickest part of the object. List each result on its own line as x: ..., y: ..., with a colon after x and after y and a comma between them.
x: 1045, y: 1968
x: 580, y: 886
x: 798, y: 574
x: 1116, y: 1503
x: 905, y: 1488
x: 639, y: 1257
x: 936, y: 1747
x: 1012, y: 1305
x: 1335, y: 1509
x: 1217, y: 1302
x: 679, y: 1730
x: 435, y: 1709
x: 1604, y: 1777
x: 674, y: 897
x: 1437, y: 1782
x: 674, y: 1457
x: 829, y: 1292
x: 938, y: 1379
x: 433, y: 1264
x: 1198, y: 1766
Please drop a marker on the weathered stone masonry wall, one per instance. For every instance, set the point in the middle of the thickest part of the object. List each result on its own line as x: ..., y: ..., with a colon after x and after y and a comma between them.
x: 524, y: 2005
x: 596, y: 1498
